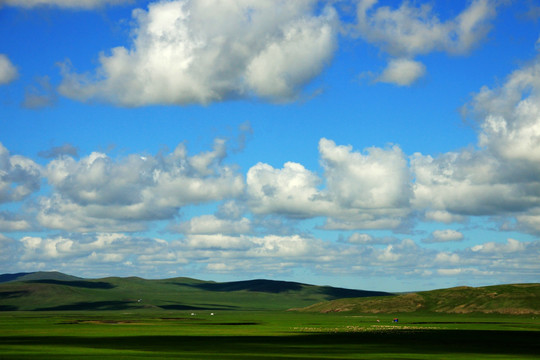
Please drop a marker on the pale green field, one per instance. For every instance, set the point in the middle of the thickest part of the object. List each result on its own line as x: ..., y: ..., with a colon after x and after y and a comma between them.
x: 265, y: 335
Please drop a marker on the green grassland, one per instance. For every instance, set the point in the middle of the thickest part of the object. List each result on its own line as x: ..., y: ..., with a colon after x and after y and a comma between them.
x: 265, y: 335
x: 57, y: 316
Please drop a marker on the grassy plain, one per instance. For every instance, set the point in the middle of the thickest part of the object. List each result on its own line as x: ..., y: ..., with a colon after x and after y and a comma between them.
x: 265, y: 335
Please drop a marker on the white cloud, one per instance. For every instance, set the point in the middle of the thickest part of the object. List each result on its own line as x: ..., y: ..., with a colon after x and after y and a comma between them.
x: 203, y: 51
x: 12, y: 222
x: 512, y: 261
x: 290, y: 62
x: 530, y: 220
x: 443, y: 216
x: 370, y: 190
x: 8, y: 250
x: 470, y: 182
x: 290, y: 191
x: 98, y: 193
x: 511, y: 246
x: 8, y: 72
x: 510, y: 114
x: 378, y: 179
x: 358, y: 238
x: 268, y: 256
x: 447, y: 235
x: 363, y: 191
x: 402, y: 72
x: 210, y: 224
x: 197, y: 242
x: 40, y: 95
x: 73, y: 4
x: 19, y: 176
x: 87, y: 251
x: 500, y: 176
x: 58, y: 151
x: 446, y: 258
x: 366, y: 239
x: 254, y: 254
x: 410, y: 30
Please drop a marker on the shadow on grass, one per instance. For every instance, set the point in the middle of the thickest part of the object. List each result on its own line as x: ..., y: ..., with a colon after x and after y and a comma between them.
x: 199, y: 308
x: 338, y: 293
x: 314, y: 346
x: 76, y: 283
x: 13, y: 294
x: 268, y: 286
x: 96, y: 305
x: 276, y: 287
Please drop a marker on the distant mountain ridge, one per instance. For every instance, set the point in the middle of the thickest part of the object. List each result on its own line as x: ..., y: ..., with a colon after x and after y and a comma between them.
x: 46, y: 291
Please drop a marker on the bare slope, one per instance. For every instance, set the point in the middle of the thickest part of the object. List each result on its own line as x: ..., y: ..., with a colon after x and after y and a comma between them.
x: 500, y: 299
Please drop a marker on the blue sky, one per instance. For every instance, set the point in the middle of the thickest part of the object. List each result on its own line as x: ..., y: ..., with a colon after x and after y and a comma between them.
x: 380, y: 145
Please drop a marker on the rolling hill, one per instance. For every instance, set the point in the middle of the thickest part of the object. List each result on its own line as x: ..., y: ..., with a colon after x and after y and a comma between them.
x: 52, y: 291
x: 38, y: 275
x: 499, y: 299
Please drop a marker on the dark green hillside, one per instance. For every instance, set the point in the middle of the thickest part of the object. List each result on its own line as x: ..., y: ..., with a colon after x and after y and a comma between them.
x: 39, y: 275
x: 500, y: 299
x: 113, y: 293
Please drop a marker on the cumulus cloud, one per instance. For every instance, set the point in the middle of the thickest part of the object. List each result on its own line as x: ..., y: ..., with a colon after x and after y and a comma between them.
x: 210, y: 253
x: 377, y: 179
x: 510, y: 127
x: 447, y: 235
x: 19, y: 176
x: 363, y: 191
x: 447, y: 259
x: 501, y: 175
x: 470, y: 182
x: 511, y: 246
x: 442, y: 216
x: 402, y: 72
x: 8, y: 72
x: 100, y: 193
x: 58, y: 151
x: 92, y: 251
x: 73, y: 4
x: 411, y: 30
x: 12, y: 222
x: 292, y: 191
x: 9, y: 250
x: 40, y: 95
x: 366, y: 239
x: 256, y: 254
x: 370, y: 190
x: 187, y: 51
x: 269, y: 255
x: 210, y: 224
x: 513, y: 260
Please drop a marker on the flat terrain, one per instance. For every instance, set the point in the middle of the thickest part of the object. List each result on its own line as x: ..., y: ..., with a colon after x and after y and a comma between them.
x: 265, y: 335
